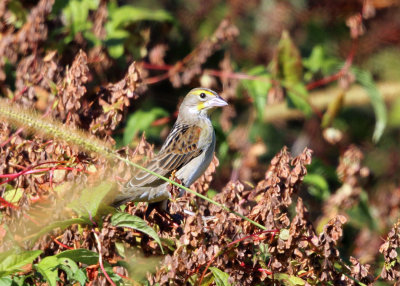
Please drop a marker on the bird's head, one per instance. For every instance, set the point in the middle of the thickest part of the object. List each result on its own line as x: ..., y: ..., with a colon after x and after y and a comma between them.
x: 200, y: 101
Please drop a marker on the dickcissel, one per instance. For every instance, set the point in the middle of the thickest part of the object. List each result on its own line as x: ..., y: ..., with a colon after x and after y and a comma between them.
x: 187, y: 151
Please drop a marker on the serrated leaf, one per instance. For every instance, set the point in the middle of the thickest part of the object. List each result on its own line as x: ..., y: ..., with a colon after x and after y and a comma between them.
x: 378, y: 104
x: 220, y: 277
x: 11, y: 262
x: 134, y: 222
x: 80, y: 255
x: 48, y: 268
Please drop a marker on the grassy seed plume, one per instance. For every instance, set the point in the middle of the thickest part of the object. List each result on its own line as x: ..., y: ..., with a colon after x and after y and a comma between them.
x: 49, y: 127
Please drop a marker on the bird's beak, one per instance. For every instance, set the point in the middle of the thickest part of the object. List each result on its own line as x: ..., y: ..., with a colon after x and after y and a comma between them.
x: 216, y: 102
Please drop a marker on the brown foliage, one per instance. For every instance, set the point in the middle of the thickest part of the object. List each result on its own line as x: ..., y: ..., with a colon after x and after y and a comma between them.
x: 208, y: 236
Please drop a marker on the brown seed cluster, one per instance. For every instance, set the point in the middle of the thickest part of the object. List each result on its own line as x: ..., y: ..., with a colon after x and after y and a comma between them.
x: 191, y: 65
x: 389, y: 249
x: 65, y: 87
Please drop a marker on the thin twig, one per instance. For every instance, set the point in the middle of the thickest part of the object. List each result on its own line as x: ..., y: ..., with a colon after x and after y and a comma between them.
x: 101, y: 259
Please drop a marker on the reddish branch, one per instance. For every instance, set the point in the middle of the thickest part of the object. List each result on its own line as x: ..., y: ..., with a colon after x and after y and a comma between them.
x: 171, y: 69
x: 32, y: 170
x: 339, y: 74
x: 62, y: 244
x: 101, y: 259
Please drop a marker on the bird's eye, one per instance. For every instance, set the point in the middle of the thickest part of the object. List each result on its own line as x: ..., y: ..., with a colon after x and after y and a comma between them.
x: 202, y: 95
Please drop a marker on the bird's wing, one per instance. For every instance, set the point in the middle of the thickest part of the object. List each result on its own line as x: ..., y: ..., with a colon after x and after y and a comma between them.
x: 180, y: 147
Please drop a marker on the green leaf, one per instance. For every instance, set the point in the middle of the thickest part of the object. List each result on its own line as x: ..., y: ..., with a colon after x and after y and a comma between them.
x: 287, y: 63
x: 80, y: 255
x: 367, y: 82
x: 258, y: 89
x: 12, y: 195
x: 297, y: 98
x: 72, y: 270
x: 318, y: 186
x: 207, y: 280
x: 318, y: 62
x: 315, y: 60
x: 120, y: 18
x: 11, y: 262
x: 48, y: 268
x: 6, y: 281
x: 119, y: 246
x: 394, y: 115
x: 289, y: 280
x: 18, y: 14
x: 141, y: 121
x: 220, y: 277
x: 76, y: 16
x: 334, y: 107
x: 287, y: 68
x: 90, y: 201
x: 115, y: 43
x: 134, y: 222
x: 125, y: 15
x: 362, y: 214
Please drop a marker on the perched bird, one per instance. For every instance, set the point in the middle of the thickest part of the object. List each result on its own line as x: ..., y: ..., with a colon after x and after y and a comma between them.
x: 187, y: 151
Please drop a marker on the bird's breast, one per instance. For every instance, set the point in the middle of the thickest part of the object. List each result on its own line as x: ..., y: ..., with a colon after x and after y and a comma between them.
x: 206, y: 134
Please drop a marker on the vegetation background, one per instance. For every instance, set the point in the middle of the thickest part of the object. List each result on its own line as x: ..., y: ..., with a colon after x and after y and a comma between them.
x: 308, y: 147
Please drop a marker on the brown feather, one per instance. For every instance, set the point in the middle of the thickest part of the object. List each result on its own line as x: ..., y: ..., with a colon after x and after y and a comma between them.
x: 177, y: 151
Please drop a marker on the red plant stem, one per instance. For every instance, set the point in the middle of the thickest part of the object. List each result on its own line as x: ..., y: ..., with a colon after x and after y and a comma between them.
x: 30, y: 170
x: 155, y: 79
x: 305, y: 273
x: 11, y: 205
x: 27, y: 172
x: 62, y: 244
x: 256, y: 235
x: 265, y: 270
x: 125, y: 277
x: 7, y: 204
x: 101, y: 260
x: 340, y: 73
x: 241, y: 76
x: 377, y: 277
x: 9, y: 138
